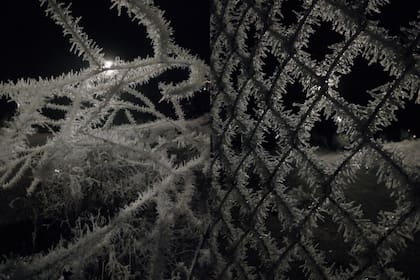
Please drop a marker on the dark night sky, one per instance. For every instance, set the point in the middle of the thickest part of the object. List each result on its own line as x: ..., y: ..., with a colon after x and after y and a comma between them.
x: 32, y: 45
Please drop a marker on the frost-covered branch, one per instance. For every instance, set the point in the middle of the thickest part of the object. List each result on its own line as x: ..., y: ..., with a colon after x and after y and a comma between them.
x: 108, y: 141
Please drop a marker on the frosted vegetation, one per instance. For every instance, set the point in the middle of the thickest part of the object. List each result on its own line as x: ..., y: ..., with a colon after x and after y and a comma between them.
x: 122, y: 186
x: 116, y: 173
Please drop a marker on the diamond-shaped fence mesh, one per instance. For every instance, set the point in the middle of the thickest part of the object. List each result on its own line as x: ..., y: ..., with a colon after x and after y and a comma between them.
x: 283, y: 209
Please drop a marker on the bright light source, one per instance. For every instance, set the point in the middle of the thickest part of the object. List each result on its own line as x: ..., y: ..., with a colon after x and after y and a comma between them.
x: 339, y: 119
x: 108, y: 63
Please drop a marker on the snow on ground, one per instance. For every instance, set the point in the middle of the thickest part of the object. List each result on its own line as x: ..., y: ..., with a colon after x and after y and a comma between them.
x: 410, y: 149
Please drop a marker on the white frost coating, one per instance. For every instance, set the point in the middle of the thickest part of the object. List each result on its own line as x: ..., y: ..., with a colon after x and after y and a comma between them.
x: 143, y: 163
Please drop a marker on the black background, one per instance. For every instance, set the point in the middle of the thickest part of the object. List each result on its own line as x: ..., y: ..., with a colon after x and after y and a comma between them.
x: 32, y: 46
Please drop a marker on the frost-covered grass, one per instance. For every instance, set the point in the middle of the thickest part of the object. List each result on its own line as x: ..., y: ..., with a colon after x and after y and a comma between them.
x: 372, y: 197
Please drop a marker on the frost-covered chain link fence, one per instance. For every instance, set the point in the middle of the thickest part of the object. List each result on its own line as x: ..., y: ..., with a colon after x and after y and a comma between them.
x: 282, y: 210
